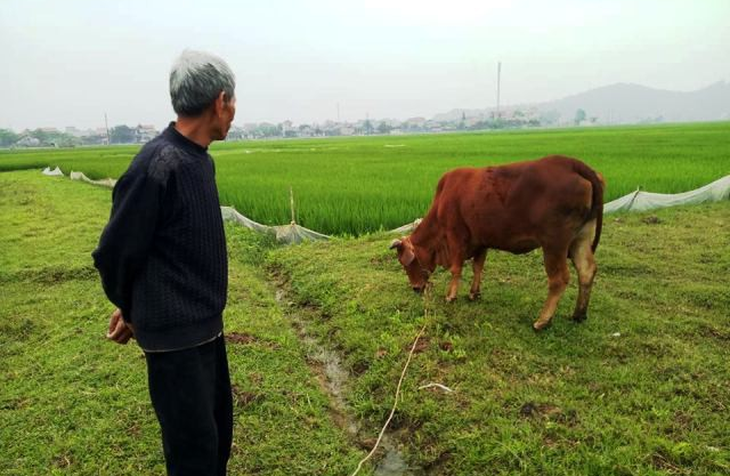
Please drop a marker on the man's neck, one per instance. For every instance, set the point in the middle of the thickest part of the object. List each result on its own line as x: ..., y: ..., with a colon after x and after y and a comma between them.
x: 194, y: 129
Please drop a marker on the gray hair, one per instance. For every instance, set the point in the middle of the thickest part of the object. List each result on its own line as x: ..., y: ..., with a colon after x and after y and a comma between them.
x: 196, y: 80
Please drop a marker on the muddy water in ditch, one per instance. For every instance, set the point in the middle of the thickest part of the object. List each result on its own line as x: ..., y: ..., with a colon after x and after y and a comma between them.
x: 335, y: 378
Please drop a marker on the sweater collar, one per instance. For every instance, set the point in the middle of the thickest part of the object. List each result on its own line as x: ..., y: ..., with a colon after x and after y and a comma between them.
x: 174, y: 136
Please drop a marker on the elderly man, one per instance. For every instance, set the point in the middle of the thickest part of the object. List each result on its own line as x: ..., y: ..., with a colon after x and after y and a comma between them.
x: 163, y: 263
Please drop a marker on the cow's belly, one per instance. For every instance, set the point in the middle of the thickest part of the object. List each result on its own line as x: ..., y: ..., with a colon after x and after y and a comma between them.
x: 517, y: 247
x: 515, y: 239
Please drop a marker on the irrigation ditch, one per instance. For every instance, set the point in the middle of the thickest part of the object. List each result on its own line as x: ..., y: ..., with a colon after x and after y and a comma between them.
x: 326, y: 363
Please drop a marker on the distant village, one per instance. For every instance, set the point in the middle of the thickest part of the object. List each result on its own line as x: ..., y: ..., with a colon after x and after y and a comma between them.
x: 619, y: 103
x: 73, y: 137
x: 415, y: 125
x: 123, y: 134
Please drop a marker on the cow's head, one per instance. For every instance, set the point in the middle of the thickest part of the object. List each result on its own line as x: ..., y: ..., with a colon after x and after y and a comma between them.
x: 412, y: 260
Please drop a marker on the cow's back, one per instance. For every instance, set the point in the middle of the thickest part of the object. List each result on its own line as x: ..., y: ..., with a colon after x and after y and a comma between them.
x: 513, y: 207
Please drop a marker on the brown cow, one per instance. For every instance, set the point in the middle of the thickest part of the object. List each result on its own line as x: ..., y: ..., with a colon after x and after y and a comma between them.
x: 554, y: 203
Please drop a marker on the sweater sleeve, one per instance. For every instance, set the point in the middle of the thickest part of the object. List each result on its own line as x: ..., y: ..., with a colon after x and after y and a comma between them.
x: 126, y: 240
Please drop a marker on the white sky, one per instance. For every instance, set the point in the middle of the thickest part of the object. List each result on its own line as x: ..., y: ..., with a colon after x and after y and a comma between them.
x: 67, y: 62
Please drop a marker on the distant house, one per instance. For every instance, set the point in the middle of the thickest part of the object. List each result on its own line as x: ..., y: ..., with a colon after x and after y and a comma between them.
x: 95, y: 139
x: 286, y: 128
x: 144, y: 133
x: 81, y: 133
x: 416, y: 122
x: 305, y: 131
x: 249, y: 130
x: 236, y: 133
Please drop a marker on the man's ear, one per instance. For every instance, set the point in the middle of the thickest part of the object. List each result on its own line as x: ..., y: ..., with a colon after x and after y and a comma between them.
x: 220, y: 102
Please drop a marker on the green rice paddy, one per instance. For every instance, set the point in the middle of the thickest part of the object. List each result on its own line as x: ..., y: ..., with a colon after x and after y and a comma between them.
x: 363, y: 184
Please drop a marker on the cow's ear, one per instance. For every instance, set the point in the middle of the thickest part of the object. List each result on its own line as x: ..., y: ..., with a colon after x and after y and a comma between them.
x: 407, y: 256
x: 396, y: 244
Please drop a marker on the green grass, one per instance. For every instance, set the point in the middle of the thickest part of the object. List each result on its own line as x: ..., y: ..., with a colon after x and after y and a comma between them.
x: 640, y: 388
x: 575, y: 399
x: 73, y: 403
x: 359, y: 185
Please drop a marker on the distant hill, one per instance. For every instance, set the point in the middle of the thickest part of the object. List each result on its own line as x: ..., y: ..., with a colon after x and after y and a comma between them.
x: 626, y: 103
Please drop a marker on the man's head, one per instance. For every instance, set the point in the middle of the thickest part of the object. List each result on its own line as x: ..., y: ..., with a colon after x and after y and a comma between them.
x: 202, y: 87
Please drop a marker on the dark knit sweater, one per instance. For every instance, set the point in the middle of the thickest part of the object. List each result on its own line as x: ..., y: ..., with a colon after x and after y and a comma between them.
x: 162, y: 256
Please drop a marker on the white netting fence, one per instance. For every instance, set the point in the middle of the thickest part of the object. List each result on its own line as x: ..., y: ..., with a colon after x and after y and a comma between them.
x: 639, y: 201
x: 52, y: 173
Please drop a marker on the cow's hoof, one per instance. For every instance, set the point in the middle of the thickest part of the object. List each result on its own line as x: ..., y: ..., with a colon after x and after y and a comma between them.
x: 538, y: 326
x: 474, y: 296
x: 450, y: 299
x: 580, y: 316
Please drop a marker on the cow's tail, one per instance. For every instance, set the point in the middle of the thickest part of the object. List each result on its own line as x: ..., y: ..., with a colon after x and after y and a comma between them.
x: 598, y: 184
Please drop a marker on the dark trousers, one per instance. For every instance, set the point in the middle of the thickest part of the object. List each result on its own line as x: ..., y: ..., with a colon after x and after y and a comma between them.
x: 191, y: 394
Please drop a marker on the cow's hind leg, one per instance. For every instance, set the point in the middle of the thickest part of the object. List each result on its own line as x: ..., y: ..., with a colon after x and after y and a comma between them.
x: 478, y: 265
x: 556, y: 266
x: 585, y: 264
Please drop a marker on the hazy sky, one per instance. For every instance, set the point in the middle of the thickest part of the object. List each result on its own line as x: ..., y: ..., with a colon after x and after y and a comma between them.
x: 68, y: 62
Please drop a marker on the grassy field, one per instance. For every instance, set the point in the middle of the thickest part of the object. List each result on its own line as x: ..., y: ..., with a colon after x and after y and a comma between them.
x: 642, y: 387
x: 73, y: 403
x: 358, y: 185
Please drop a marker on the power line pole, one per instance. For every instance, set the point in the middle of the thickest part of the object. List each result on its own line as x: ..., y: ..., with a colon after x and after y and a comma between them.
x: 499, y: 78
x: 106, y: 125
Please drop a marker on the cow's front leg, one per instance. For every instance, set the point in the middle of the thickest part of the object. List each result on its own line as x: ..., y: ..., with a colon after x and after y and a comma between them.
x: 478, y: 266
x: 454, y: 284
